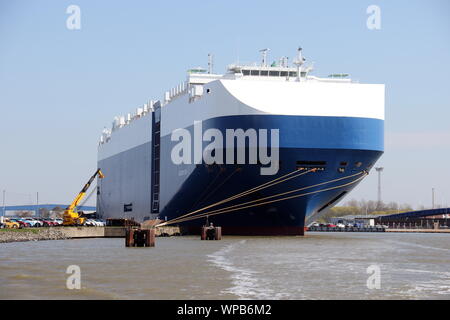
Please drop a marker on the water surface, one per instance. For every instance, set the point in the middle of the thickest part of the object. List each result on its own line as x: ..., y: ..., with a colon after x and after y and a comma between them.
x: 317, y: 266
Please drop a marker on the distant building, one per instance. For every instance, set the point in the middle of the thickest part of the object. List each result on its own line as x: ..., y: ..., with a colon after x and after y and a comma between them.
x: 427, y: 214
x: 439, y: 213
x: 363, y: 220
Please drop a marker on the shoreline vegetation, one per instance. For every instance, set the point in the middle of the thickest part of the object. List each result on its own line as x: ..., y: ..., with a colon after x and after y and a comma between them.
x: 21, y: 235
x: 355, y: 207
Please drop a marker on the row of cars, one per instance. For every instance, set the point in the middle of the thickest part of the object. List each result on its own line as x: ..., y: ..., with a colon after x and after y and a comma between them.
x: 345, y: 225
x: 95, y: 223
x: 19, y: 223
x: 331, y: 225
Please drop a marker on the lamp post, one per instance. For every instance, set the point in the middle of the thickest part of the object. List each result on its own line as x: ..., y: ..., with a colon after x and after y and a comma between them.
x: 432, y: 198
x: 37, y: 205
x: 379, y: 170
x: 4, y: 207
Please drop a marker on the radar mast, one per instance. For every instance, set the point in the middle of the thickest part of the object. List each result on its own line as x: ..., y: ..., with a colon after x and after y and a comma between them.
x: 264, y: 57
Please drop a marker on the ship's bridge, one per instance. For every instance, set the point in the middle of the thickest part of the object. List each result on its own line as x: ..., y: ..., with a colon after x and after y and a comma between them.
x: 265, y: 71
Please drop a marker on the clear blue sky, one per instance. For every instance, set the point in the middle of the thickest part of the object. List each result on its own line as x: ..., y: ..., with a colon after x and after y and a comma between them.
x: 60, y: 87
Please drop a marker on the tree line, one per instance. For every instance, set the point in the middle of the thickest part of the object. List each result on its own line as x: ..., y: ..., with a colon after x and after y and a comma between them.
x: 363, y: 207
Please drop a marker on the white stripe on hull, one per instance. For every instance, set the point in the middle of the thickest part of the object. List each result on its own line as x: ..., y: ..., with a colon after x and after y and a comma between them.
x: 135, y: 134
x: 246, y: 97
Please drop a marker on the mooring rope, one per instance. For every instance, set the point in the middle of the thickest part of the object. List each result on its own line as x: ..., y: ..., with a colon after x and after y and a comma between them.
x: 219, y: 186
x: 199, y: 200
x: 239, y: 206
x: 265, y: 185
x: 221, y: 211
x: 244, y: 193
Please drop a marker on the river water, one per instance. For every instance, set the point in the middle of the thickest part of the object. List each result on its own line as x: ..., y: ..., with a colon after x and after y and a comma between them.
x: 317, y: 266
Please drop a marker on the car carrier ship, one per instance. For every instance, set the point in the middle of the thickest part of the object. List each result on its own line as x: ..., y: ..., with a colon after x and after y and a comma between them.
x: 327, y: 134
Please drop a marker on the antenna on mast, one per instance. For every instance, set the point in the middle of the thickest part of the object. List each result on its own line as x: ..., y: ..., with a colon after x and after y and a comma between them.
x: 210, y: 63
x: 264, y: 57
x: 298, y: 61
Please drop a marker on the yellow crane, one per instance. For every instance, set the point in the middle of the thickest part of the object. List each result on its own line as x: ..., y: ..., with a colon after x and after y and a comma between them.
x: 72, y: 217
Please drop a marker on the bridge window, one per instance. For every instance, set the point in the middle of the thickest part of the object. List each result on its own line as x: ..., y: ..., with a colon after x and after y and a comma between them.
x: 271, y: 73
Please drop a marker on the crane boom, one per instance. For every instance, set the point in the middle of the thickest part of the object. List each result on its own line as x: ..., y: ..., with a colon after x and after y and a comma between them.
x: 72, y: 217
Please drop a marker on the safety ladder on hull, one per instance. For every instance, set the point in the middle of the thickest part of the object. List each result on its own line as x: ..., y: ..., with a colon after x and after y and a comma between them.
x: 156, y: 153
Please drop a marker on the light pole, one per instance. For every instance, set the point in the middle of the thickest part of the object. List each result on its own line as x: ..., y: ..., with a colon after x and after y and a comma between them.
x: 379, y: 170
x: 432, y: 198
x: 37, y: 205
x: 4, y: 207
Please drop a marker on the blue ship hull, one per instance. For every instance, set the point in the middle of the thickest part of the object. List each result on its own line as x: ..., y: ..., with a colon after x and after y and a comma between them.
x: 337, y: 146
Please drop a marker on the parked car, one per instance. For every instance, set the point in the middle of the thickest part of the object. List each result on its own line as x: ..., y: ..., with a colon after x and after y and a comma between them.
x: 340, y: 225
x: 21, y: 222
x: 11, y: 224
x: 33, y: 222
x: 95, y: 223
x: 47, y: 222
x: 26, y: 223
x: 100, y: 223
x: 330, y: 225
x: 92, y: 223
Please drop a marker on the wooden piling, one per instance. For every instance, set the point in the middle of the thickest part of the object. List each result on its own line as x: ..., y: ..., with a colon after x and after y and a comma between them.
x: 140, y: 237
x: 218, y: 235
x: 203, y: 233
x: 129, y: 238
x: 211, y: 233
x: 151, y: 237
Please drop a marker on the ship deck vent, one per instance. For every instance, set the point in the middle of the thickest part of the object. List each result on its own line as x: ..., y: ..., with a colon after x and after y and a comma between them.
x: 308, y: 164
